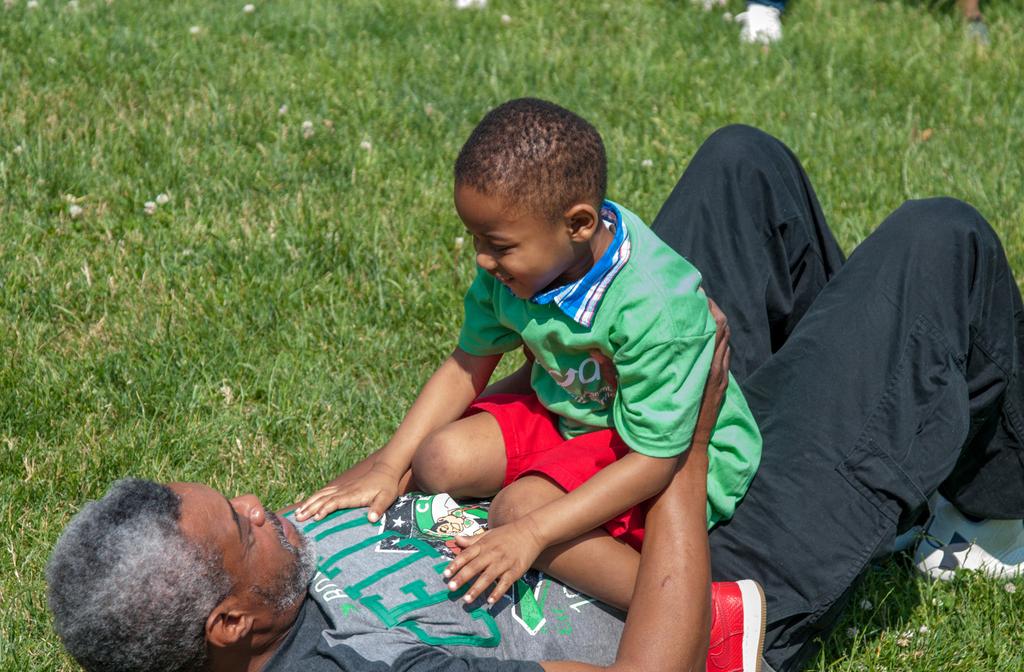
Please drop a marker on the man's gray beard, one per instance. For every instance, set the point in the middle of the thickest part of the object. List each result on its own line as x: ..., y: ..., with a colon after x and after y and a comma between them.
x: 291, y: 586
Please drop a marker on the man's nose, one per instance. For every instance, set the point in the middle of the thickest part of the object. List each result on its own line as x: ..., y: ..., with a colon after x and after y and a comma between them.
x: 251, y: 507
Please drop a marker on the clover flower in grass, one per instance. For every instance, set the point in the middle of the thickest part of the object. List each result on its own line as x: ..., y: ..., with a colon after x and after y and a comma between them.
x: 307, y: 129
x: 366, y: 146
x: 466, y: 4
x: 149, y: 207
x: 1010, y: 588
x: 647, y: 163
x: 283, y: 110
x: 249, y: 9
x: 8, y: 4
x: 32, y: 4
x: 923, y: 629
x: 72, y: 5
x: 194, y: 30
x: 162, y: 199
x: 459, y: 242
x: 18, y: 149
x: 75, y: 211
x: 506, y: 19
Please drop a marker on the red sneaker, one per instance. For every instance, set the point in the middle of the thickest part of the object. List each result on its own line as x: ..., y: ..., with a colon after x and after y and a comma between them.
x: 737, y: 627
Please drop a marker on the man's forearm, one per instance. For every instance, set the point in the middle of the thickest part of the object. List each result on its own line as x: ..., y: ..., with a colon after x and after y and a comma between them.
x: 674, y: 578
x: 668, y: 585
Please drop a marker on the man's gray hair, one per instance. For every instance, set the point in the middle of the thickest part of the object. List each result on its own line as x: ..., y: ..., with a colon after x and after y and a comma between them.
x: 128, y: 590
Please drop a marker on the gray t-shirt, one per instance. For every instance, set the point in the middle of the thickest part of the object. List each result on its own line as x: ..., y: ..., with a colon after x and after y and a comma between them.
x: 378, y: 601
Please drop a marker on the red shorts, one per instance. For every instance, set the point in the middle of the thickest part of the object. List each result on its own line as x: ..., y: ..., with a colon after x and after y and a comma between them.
x: 533, y: 445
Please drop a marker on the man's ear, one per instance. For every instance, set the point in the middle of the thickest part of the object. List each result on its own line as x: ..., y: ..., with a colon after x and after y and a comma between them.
x: 228, y: 624
x: 582, y: 221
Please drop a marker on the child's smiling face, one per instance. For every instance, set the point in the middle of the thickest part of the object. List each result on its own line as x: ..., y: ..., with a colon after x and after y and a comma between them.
x: 524, y: 250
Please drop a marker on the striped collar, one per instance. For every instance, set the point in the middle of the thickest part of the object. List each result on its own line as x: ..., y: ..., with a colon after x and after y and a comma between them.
x: 579, y: 299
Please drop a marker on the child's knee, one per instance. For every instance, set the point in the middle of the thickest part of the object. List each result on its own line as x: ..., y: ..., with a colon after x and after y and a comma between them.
x: 439, y: 462
x: 506, y: 506
x: 520, y: 498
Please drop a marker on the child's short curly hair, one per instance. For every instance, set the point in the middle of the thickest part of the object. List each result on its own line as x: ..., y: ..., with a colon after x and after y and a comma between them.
x: 535, y: 153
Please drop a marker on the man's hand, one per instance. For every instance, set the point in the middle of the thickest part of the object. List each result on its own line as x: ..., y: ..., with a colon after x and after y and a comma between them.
x: 377, y: 489
x: 500, y: 555
x: 718, y: 380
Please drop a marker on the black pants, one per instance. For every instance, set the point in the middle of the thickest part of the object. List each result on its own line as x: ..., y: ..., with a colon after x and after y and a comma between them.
x: 875, y: 381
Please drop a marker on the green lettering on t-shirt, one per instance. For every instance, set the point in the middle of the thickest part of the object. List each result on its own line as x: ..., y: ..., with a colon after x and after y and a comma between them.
x: 480, y: 614
x: 423, y: 550
x: 331, y: 572
x: 392, y: 617
x: 421, y: 598
x: 528, y: 607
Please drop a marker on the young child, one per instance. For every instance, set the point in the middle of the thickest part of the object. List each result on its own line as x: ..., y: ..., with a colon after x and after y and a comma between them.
x: 621, y: 340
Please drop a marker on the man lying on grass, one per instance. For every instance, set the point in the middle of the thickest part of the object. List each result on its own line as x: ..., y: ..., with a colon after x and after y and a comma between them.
x: 882, y: 385
x: 177, y: 577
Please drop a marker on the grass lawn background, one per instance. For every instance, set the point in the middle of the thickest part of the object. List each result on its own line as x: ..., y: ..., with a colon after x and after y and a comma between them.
x: 271, y: 322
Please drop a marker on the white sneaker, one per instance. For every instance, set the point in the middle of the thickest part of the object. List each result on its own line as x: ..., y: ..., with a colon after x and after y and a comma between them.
x: 761, y: 24
x: 951, y: 542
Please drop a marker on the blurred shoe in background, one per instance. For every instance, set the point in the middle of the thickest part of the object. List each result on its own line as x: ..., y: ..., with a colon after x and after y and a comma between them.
x: 762, y: 24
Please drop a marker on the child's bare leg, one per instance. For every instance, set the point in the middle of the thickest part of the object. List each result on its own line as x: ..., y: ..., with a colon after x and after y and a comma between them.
x: 465, y: 458
x: 593, y: 563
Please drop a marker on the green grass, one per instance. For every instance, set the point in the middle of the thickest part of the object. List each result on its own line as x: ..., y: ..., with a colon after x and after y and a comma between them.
x: 270, y: 324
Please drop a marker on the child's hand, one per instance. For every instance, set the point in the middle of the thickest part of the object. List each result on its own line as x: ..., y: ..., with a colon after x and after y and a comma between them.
x: 500, y: 555
x: 377, y: 490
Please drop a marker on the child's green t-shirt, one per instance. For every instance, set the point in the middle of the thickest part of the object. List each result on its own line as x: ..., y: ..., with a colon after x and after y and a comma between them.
x: 654, y: 326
